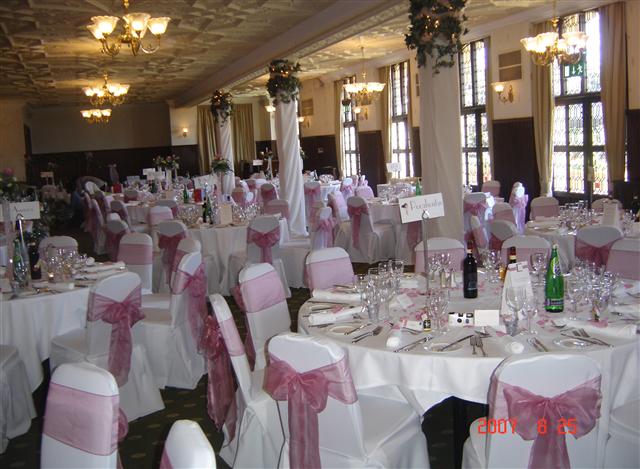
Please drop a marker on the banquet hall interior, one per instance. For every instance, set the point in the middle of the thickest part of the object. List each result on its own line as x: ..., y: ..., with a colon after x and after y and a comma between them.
x: 319, y: 233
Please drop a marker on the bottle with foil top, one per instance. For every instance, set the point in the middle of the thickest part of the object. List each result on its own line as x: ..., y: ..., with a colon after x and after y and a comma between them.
x: 554, y: 284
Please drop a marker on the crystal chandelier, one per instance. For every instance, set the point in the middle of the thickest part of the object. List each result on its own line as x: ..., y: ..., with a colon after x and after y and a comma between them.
x: 135, y: 27
x: 363, y: 93
x: 96, y: 116
x: 112, y: 93
x: 547, y: 47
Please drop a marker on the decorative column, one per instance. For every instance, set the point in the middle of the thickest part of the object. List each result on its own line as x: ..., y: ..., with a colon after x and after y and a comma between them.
x: 221, y: 108
x: 283, y: 87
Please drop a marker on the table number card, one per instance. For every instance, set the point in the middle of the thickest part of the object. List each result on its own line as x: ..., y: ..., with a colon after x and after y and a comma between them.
x: 226, y: 214
x: 393, y: 167
x: 486, y: 317
x: 517, y: 276
x: 412, y: 208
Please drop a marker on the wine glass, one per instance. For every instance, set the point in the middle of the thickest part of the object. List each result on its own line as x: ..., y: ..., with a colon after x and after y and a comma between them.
x: 573, y: 290
x: 515, y: 301
x: 529, y: 311
x: 397, y: 269
x: 538, y: 261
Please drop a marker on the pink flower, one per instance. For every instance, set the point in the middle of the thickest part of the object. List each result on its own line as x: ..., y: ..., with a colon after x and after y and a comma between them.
x: 7, y: 172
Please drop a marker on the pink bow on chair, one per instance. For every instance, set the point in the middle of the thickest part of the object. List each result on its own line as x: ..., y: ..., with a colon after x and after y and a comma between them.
x: 356, y: 214
x: 326, y: 226
x: 122, y: 315
x: 221, y: 388
x: 520, y: 206
x: 265, y: 241
x: 112, y: 243
x: 268, y: 194
x: 307, y: 395
x: 313, y: 193
x: 413, y: 234
x: 597, y: 254
x: 476, y: 209
x: 580, y: 405
x: 169, y: 245
x: 196, y: 285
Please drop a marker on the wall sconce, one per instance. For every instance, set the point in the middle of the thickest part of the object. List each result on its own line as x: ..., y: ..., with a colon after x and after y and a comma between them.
x: 303, y: 121
x: 361, y: 112
x: 499, y: 88
x: 185, y: 131
x: 270, y: 108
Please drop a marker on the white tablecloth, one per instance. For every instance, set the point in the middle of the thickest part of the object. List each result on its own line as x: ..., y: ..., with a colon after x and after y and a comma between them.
x: 30, y: 323
x: 327, y: 189
x: 566, y: 240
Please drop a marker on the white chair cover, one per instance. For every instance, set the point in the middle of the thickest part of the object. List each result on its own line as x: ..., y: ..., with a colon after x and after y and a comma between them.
x: 544, y: 207
x: 57, y: 242
x: 187, y: 447
x: 114, y: 231
x: 323, y: 229
x: 500, y: 231
x: 158, y: 214
x: 478, y: 234
x: 268, y: 192
x: 594, y: 243
x: 366, y: 431
x: 171, y: 203
x: 97, y: 228
x: 328, y: 267
x: 491, y: 186
x: 476, y: 204
x: 277, y: 206
x: 622, y: 449
x: 503, y: 211
x: 365, y: 192
x: 120, y: 208
x: 598, y: 204
x: 312, y: 194
x: 624, y: 258
x: 136, y: 251
x: 439, y: 245
x: 338, y: 205
x: 525, y: 246
x: 170, y: 229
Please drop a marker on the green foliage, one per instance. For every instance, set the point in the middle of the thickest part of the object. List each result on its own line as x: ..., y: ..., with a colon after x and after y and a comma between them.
x: 221, y: 106
x: 283, y: 84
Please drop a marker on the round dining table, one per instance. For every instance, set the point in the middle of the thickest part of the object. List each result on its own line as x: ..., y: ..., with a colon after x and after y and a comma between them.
x: 423, y: 377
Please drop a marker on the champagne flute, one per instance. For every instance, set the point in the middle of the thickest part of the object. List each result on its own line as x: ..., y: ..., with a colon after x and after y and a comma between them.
x: 515, y: 301
x: 573, y: 290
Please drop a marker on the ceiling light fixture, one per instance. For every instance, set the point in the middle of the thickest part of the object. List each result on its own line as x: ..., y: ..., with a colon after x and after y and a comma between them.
x: 96, y: 116
x: 112, y: 93
x: 135, y: 27
x: 270, y: 108
x: 363, y: 92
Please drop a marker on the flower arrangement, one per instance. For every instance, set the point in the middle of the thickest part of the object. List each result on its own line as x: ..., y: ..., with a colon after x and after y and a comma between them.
x: 303, y: 155
x: 283, y: 84
x: 436, y: 28
x: 9, y: 188
x: 167, y: 162
x: 221, y: 106
x: 220, y: 166
x: 267, y: 154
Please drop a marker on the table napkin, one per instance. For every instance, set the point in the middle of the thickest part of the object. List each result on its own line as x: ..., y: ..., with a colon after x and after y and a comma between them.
x: 329, y: 317
x: 99, y: 275
x: 543, y: 224
x: 628, y: 309
x: 328, y: 295
x: 100, y: 267
x: 615, y: 331
x: 61, y: 286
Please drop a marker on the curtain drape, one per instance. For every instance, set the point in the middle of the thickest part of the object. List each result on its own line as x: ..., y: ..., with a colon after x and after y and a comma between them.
x: 206, y: 138
x: 243, y: 143
x: 543, y: 106
x: 384, y: 77
x: 337, y: 99
x: 489, y: 106
x: 613, y: 81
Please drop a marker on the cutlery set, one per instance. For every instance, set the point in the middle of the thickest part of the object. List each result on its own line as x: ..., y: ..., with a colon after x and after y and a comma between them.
x: 536, y: 344
x: 371, y: 333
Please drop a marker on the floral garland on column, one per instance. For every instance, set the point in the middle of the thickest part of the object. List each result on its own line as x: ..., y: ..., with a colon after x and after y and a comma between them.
x: 221, y: 106
x: 283, y: 84
x: 435, y: 29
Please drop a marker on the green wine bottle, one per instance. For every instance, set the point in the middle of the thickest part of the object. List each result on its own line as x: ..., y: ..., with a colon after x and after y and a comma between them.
x: 554, y: 284
x: 418, y: 187
x: 185, y: 195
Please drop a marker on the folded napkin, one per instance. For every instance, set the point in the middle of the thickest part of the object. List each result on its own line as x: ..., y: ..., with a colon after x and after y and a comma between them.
x: 99, y: 275
x: 394, y: 339
x: 329, y: 317
x: 628, y: 309
x: 61, y: 287
x: 103, y: 266
x: 328, y: 295
x: 544, y: 224
x: 603, y: 328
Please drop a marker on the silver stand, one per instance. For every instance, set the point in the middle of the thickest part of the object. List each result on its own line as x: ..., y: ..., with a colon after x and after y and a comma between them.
x: 425, y: 239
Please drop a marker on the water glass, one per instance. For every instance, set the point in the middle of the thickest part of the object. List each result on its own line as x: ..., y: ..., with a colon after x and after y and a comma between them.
x: 515, y: 301
x: 538, y: 262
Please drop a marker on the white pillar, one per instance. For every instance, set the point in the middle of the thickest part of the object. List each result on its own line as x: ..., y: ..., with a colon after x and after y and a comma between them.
x: 290, y: 165
x: 225, y: 149
x: 440, y: 145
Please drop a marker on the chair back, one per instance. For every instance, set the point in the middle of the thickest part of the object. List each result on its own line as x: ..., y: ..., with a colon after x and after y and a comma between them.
x: 598, y: 204
x: 493, y: 187
x: 97, y: 217
x: 478, y: 234
x: 91, y: 187
x: 172, y: 204
x: 239, y: 196
x: 545, y: 207
x: 526, y: 246
x: 158, y: 214
x: 593, y: 243
x: 328, y: 267
x: 440, y: 245
x: 268, y: 192
x: 187, y: 447
x: 57, y: 242
x: 475, y: 204
x: 346, y: 187
x: 81, y: 418
x: 312, y: 194
x: 170, y: 233
x: 120, y: 208
x: 263, y: 239
x: 499, y: 232
x: 338, y: 206
x: 322, y: 229
x: 624, y: 258
x: 264, y: 299
x: 503, y: 211
x: 365, y: 192
x: 136, y: 251
x: 185, y: 246
x: 181, y: 309
x: 114, y: 230
x: 131, y: 195
x: 277, y: 206
x: 527, y: 381
x: 361, y: 224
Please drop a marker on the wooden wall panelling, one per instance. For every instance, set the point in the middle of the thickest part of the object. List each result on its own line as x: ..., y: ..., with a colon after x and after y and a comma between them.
x: 415, y: 151
x: 372, y: 157
x: 320, y: 151
x: 188, y: 159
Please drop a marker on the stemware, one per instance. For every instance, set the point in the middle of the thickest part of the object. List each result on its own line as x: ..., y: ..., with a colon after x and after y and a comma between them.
x: 529, y: 311
x: 515, y: 297
x: 538, y: 261
x: 573, y: 290
x: 397, y: 269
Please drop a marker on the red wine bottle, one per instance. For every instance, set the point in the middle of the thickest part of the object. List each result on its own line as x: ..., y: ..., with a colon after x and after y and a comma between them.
x: 470, y: 274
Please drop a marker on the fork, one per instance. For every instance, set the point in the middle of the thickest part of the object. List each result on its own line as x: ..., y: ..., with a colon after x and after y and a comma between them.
x: 472, y: 340
x: 582, y: 333
x: 479, y: 344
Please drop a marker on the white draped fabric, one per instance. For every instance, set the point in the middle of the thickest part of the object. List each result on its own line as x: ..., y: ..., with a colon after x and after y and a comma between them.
x: 440, y: 137
x: 291, y: 182
x: 225, y: 149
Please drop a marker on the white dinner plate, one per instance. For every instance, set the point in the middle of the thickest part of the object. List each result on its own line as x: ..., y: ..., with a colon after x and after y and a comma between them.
x: 571, y: 343
x: 437, y: 347
x: 341, y: 328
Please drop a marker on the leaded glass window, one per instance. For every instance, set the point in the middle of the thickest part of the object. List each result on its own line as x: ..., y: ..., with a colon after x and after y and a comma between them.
x: 400, y: 128
x: 350, y: 153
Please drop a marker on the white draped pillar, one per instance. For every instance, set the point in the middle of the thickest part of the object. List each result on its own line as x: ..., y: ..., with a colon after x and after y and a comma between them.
x: 225, y: 149
x: 440, y: 145
x: 290, y: 165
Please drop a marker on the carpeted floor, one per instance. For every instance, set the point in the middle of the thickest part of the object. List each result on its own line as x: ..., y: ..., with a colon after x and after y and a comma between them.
x: 143, y: 445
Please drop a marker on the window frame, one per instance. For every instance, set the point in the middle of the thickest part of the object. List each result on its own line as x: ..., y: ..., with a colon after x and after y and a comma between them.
x: 349, y: 120
x: 395, y: 118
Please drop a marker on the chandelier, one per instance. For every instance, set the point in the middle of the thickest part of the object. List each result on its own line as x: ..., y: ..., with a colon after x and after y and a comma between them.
x: 363, y: 93
x: 135, y: 27
x: 112, y: 93
x: 547, y: 47
x: 96, y: 116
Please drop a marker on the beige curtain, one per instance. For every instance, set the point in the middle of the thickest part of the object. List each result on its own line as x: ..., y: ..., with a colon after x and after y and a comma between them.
x: 206, y: 139
x: 243, y: 144
x: 337, y: 98
x: 386, y: 114
x: 489, y: 104
x: 543, y: 106
x: 613, y: 80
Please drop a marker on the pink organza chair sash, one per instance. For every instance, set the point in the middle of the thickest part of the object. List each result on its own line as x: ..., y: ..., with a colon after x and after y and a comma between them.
x: 130, y: 198
x: 327, y: 273
x: 347, y: 190
x: 135, y: 254
x: 364, y: 191
x: 549, y: 450
x: 356, y: 215
x: 326, y: 226
x: 262, y: 292
x: 66, y: 420
x: 112, y: 243
x: 597, y: 254
x: 413, y: 234
x: 169, y: 246
x: 478, y: 209
x: 196, y: 286
x: 312, y: 194
x: 221, y: 387
x: 155, y: 218
x: 625, y: 263
x: 275, y: 209
x: 307, y: 395
x: 240, y: 198
x: 165, y: 462
x: 519, y: 204
x: 123, y: 214
x: 268, y: 194
x: 122, y: 315
x: 265, y: 241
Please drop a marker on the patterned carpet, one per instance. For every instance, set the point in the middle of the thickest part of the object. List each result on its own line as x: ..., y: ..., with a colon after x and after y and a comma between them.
x: 143, y: 445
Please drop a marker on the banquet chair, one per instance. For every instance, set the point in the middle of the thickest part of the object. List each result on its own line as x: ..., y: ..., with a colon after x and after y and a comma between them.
x: 257, y: 436
x: 479, y: 236
x: 499, y: 232
x: 624, y: 258
x: 121, y: 209
x: 346, y: 188
x: 86, y: 212
x: 131, y: 195
x: 621, y: 450
x: 171, y: 203
x: 104, y: 203
x: 518, y: 201
x: 242, y: 197
x: 158, y: 214
x: 169, y: 233
x: 354, y: 430
x: 81, y: 419
x: 439, y: 245
x: 312, y: 194
x: 504, y: 211
x: 475, y: 204
x: 364, y: 240
x: 570, y: 381
x: 170, y: 334
x: 16, y: 403
x: 408, y: 235
x: 97, y: 228
x: 323, y: 229
x: 598, y: 204
x: 593, y: 243
x: 91, y: 187
x: 328, y: 267
x: 365, y: 192
x: 139, y: 395
x: 338, y: 205
x: 136, y: 251
x: 493, y: 187
x: 544, y: 207
x: 114, y: 231
x: 268, y: 193
x: 265, y: 305
x: 526, y: 246
x: 277, y: 207
x: 67, y: 243
x: 187, y: 447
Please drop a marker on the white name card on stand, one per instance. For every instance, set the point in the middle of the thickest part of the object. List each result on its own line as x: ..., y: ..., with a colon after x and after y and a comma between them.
x: 411, y: 208
x: 148, y: 171
x: 393, y: 167
x: 225, y: 213
x: 46, y: 174
x: 517, y: 276
x: 29, y: 210
x: 486, y: 317
x: 257, y: 162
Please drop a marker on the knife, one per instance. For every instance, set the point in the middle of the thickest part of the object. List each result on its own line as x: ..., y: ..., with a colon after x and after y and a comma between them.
x: 589, y: 340
x: 374, y: 332
x: 542, y: 346
x: 455, y: 342
x: 412, y: 345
